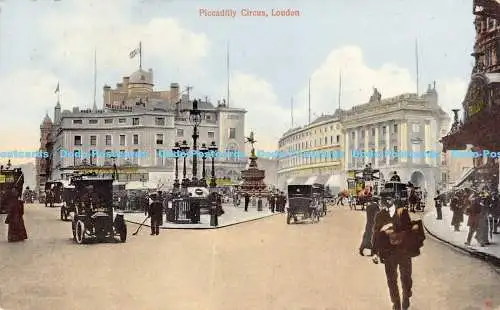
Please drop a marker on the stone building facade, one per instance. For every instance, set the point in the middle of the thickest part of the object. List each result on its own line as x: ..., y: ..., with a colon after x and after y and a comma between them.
x: 135, y: 129
x: 371, y: 133
x: 312, y: 154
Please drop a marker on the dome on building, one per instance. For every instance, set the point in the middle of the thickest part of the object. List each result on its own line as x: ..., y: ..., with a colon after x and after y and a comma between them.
x: 141, y: 77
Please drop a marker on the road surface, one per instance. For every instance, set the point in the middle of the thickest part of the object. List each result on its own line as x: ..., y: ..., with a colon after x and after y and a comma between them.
x: 259, y: 265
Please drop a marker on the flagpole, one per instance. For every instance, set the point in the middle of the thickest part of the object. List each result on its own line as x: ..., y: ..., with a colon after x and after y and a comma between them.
x: 140, y: 55
x: 228, y: 73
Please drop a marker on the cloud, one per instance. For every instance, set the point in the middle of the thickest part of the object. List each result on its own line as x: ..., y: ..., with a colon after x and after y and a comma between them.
x: 265, y: 116
x: 23, y: 111
x: 76, y: 30
x: 358, y: 80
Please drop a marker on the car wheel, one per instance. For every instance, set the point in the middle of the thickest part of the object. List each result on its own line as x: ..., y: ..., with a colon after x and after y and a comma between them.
x: 80, y: 232
x: 123, y: 234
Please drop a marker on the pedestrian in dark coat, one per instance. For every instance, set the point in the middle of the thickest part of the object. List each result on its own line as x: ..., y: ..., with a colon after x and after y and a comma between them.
x: 156, y: 214
x: 371, y: 211
x: 17, y: 230
x: 473, y: 210
x: 283, y: 202
x: 495, y: 212
x: 392, y: 226
x: 458, y: 213
x: 272, y: 202
x: 439, y: 206
x: 247, y: 201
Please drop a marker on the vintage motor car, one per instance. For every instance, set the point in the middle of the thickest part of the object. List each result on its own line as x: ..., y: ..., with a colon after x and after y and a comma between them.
x: 301, y: 201
x: 54, y: 194
x: 94, y: 217
x: 10, y: 178
x: 68, y: 205
x: 397, y: 191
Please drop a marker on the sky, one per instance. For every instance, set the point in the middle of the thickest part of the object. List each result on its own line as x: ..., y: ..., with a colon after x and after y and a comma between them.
x: 271, y: 59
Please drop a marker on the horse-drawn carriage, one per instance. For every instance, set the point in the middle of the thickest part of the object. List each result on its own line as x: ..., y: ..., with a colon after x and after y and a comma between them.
x: 94, y: 217
x: 416, y: 199
x: 10, y: 179
x: 54, y: 193
x: 302, y: 200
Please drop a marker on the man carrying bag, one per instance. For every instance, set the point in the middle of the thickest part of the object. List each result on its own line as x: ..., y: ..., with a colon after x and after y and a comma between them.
x: 396, y: 239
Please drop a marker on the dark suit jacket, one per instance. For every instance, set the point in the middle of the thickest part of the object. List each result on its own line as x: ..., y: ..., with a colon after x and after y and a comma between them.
x: 381, y: 242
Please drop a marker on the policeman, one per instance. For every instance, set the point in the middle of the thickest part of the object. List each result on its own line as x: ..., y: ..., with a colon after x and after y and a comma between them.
x: 156, y: 213
x: 392, y: 226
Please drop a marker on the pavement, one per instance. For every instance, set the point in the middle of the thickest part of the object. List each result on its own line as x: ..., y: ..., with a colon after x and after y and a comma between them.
x: 232, y: 216
x: 442, y: 230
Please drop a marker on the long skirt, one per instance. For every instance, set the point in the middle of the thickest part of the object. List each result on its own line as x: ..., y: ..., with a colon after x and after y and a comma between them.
x: 17, y: 231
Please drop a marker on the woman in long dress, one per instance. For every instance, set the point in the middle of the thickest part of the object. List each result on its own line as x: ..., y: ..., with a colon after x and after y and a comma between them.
x: 17, y: 230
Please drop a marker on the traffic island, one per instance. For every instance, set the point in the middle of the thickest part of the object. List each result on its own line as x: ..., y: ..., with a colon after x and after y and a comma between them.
x: 232, y: 216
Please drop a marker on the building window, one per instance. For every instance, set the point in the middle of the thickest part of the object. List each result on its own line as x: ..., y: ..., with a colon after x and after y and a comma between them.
x: 135, y: 121
x: 122, y: 120
x: 395, y: 150
x: 384, y: 130
x: 122, y: 156
x: 373, y: 132
x: 92, y: 121
x: 362, y: 134
x: 180, y: 132
x: 444, y: 178
x: 108, y: 139
x: 338, y: 138
x: 159, y: 158
x: 136, y: 139
x: 211, y: 134
x: 93, y: 157
x: 353, y: 135
x: 159, y: 139
x: 395, y: 128
x: 93, y: 140
x: 160, y: 121
x: 326, y: 140
x: 232, y: 133
x: 208, y: 117
x: 135, y: 158
x: 77, y: 121
x: 78, y: 140
x: 107, y: 158
x: 416, y: 128
x: 122, y: 139
x: 108, y: 121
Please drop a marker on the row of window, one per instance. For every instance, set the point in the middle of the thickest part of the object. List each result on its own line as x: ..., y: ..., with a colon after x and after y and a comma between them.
x: 135, y: 139
x: 323, y: 141
x: 160, y: 121
x: 308, y: 133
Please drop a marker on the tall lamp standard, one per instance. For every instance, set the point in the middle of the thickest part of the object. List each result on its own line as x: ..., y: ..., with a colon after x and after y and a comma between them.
x: 213, y: 149
x: 184, y: 149
x: 204, y: 151
x: 195, y: 118
x: 175, y: 150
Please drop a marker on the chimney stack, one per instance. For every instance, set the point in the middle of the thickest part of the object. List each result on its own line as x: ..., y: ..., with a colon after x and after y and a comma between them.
x: 174, y: 92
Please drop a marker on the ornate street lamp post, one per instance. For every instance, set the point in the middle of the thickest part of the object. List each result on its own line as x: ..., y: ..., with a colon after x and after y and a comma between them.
x: 184, y: 148
x: 204, y: 151
x: 213, y: 148
x: 195, y: 118
x: 176, y: 150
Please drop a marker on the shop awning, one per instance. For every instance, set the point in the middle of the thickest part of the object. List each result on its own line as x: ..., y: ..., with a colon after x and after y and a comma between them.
x: 322, y: 179
x: 467, y: 175
x: 301, y: 180
x: 311, y: 180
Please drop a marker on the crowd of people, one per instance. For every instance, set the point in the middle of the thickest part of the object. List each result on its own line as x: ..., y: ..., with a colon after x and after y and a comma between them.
x: 482, y: 208
x: 275, y: 201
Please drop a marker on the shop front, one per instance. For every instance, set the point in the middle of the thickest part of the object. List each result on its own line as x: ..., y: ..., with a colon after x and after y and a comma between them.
x: 479, y: 131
